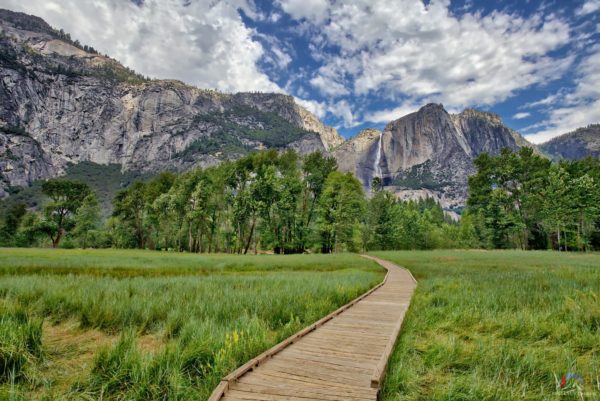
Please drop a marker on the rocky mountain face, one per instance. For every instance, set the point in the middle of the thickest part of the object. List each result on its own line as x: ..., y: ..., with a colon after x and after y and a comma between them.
x: 427, y: 153
x: 578, y: 144
x: 63, y: 103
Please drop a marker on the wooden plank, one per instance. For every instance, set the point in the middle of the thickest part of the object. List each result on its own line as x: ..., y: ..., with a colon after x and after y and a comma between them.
x: 294, y: 383
x: 323, y: 393
x: 343, y: 356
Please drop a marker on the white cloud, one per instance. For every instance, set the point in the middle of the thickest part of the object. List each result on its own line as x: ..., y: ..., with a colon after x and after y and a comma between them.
x: 319, y: 109
x: 431, y: 55
x: 200, y: 42
x: 329, y: 87
x: 385, y: 116
x: 342, y: 110
x: 548, y: 100
x: 312, y: 10
x: 590, y: 6
x: 577, y: 108
x: 521, y: 115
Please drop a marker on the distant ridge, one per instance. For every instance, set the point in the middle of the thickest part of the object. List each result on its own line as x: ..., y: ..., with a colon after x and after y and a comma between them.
x: 574, y: 145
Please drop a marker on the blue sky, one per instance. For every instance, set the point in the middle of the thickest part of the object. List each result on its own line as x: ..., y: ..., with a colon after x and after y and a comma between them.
x: 362, y: 63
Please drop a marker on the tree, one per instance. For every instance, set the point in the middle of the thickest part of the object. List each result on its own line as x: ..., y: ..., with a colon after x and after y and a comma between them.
x: 382, y: 222
x: 12, y: 220
x: 65, y: 198
x: 87, y: 220
x: 505, y: 193
x: 315, y: 169
x: 130, y: 207
x: 557, y: 201
x: 340, y: 210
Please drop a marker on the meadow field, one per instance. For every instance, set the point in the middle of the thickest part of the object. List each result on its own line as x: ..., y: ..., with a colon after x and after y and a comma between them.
x: 142, y: 325
x: 498, y: 325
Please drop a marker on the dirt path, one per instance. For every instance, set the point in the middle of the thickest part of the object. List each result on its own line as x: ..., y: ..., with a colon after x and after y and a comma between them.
x: 341, y: 357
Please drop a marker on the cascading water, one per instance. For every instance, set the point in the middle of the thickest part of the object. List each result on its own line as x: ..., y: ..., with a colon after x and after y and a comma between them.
x: 376, y: 165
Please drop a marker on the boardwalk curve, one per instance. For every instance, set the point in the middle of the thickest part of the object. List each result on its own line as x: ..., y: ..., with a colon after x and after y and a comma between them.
x: 342, y: 357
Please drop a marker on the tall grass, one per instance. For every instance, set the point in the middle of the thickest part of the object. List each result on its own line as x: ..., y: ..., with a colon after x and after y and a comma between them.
x: 20, y: 343
x: 211, y: 313
x: 501, y: 325
x: 128, y: 263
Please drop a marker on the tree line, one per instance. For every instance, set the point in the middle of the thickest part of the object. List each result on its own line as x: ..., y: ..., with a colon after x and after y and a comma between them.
x: 284, y: 203
x: 523, y: 200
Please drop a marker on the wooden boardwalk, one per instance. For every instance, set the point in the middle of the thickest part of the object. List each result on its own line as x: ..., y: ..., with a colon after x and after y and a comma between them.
x: 342, y: 357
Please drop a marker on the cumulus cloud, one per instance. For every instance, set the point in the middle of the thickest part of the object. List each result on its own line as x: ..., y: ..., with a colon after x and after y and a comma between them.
x: 590, y: 6
x: 200, y: 42
x: 342, y: 110
x: 313, y: 10
x: 425, y: 52
x: 577, y: 108
x: 328, y: 86
x: 521, y: 115
x: 319, y: 109
x: 385, y: 116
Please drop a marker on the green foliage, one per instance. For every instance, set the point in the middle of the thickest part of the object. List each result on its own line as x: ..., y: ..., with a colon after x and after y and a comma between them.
x: 417, y: 177
x: 395, y: 224
x: 264, y: 201
x: 523, y: 200
x: 12, y: 221
x: 104, y: 180
x: 241, y: 123
x: 66, y: 197
x: 340, y: 209
x: 87, y: 220
x: 497, y: 325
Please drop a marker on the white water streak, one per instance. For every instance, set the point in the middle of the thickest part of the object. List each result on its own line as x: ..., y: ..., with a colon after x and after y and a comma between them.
x: 376, y: 166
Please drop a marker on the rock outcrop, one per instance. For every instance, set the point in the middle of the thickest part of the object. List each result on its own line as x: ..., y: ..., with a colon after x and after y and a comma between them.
x: 428, y: 152
x: 65, y: 103
x: 575, y: 145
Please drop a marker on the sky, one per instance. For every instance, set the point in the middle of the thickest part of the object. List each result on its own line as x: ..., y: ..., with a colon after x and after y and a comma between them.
x: 362, y: 63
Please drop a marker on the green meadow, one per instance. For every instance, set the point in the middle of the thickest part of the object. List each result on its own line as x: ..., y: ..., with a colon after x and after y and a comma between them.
x: 498, y: 325
x: 142, y: 325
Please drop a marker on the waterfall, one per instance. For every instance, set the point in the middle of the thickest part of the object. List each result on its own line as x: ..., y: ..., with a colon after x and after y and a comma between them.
x: 376, y: 165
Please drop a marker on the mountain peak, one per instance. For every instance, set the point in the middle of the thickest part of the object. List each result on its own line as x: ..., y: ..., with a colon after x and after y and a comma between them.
x: 433, y: 106
x: 26, y: 22
x: 487, y: 115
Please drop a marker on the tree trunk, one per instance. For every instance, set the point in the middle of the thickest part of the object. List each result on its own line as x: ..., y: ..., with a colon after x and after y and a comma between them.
x: 56, y: 240
x: 250, y: 236
x: 199, y: 241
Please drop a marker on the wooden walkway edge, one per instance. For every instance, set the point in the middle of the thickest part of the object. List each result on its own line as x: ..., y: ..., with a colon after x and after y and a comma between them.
x: 343, y: 356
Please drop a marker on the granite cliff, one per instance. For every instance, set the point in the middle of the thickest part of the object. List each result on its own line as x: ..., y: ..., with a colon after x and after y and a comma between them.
x: 578, y: 144
x: 427, y: 153
x: 64, y: 103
